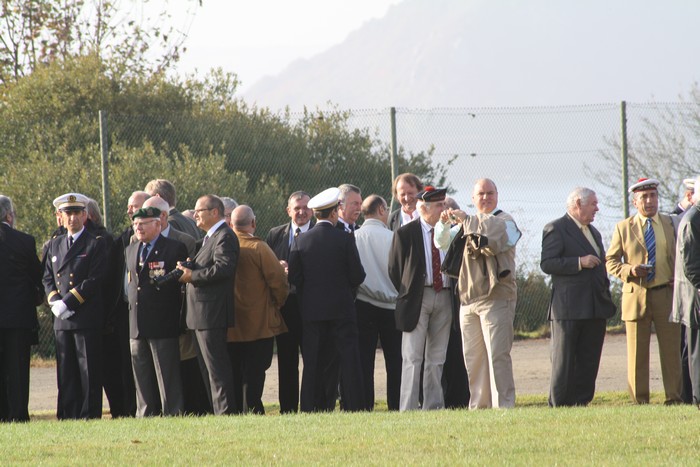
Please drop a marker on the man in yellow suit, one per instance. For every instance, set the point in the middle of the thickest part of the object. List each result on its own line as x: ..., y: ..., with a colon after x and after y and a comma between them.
x: 642, y: 255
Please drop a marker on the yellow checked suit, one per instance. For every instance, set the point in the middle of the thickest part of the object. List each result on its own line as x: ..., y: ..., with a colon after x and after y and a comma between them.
x: 646, y: 302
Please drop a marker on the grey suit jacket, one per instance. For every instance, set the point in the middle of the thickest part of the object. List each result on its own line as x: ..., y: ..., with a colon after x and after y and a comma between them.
x: 686, y: 303
x: 210, y: 293
x: 583, y: 294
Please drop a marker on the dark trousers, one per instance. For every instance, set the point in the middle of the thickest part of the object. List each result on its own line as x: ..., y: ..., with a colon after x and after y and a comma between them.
x: 693, y: 339
x: 687, y: 389
x: 249, y: 362
x: 576, y: 349
x: 194, y: 391
x: 377, y: 324
x: 288, y: 348
x: 343, y: 333
x: 117, y: 373
x: 15, y: 345
x: 455, y: 383
x: 79, y: 373
x: 216, y: 369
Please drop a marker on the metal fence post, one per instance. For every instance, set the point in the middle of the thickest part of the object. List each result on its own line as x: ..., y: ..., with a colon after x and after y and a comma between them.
x: 104, y: 151
x: 394, y: 154
x: 623, y: 147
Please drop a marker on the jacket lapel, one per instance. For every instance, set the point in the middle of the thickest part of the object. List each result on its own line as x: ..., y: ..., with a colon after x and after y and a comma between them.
x: 578, y: 235
x: 66, y: 254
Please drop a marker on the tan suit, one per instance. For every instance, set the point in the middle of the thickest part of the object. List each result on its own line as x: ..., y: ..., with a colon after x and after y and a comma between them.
x: 644, y: 303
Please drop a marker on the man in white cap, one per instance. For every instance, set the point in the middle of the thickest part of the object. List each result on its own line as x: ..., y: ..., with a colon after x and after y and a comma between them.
x: 325, y: 267
x: 75, y: 264
x: 642, y: 255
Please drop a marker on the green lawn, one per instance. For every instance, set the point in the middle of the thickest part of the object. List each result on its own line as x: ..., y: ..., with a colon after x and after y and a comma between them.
x: 610, y: 431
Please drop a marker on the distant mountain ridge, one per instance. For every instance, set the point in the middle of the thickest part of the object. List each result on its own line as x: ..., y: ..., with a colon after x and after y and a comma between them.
x: 476, y: 53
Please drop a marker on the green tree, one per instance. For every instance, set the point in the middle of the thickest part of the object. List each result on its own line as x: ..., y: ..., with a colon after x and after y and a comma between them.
x: 124, y: 33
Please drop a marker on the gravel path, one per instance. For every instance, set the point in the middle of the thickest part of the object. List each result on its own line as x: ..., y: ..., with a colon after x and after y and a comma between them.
x: 531, y: 366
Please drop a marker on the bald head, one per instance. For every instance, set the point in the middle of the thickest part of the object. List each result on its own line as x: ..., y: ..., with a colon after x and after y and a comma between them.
x: 374, y: 207
x: 243, y: 219
x: 135, y: 202
x: 162, y: 205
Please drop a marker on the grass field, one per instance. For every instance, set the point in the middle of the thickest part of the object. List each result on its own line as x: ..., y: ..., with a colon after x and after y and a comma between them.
x: 611, y: 431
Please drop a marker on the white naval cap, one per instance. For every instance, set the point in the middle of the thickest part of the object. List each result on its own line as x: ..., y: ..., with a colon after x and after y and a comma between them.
x: 689, y: 183
x: 71, y: 202
x: 325, y: 200
x: 644, y: 184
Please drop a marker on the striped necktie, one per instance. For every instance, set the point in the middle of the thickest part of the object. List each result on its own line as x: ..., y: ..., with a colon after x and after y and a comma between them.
x: 650, y: 241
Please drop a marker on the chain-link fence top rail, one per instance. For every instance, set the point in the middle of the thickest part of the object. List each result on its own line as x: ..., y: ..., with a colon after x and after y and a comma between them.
x: 536, y: 156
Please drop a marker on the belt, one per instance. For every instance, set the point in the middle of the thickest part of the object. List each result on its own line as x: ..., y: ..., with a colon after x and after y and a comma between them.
x: 659, y: 287
x: 443, y: 287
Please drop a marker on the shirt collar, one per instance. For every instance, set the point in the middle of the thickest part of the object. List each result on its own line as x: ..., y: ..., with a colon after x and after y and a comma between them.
x: 214, y: 228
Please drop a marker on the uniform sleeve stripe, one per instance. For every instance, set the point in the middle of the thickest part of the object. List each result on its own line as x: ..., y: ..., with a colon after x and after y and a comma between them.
x: 51, y: 295
x: 77, y: 295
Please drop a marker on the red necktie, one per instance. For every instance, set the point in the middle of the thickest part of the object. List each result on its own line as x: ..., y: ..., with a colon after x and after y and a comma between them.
x: 437, y: 274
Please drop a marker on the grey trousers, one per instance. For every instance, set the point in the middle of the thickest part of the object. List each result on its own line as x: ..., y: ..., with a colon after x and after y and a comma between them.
x: 156, y: 364
x: 426, y: 345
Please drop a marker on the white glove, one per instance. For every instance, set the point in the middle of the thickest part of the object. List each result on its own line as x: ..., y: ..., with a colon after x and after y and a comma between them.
x: 58, y: 308
x: 67, y: 314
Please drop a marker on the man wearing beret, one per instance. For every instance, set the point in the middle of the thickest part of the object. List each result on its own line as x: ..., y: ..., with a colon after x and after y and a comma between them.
x: 75, y: 264
x: 487, y: 294
x: 642, y: 255
x: 154, y: 316
x: 325, y: 267
x: 424, y: 304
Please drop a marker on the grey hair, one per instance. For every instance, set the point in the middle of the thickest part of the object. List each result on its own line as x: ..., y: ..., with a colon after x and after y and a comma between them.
x: 578, y: 193
x: 229, y: 203
x: 346, y: 188
x: 93, y: 212
x: 5, y: 206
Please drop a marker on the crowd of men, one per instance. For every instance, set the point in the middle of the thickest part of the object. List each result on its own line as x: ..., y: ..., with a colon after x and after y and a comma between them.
x: 181, y: 315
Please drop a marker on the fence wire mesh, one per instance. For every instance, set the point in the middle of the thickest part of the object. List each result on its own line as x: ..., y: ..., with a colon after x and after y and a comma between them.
x: 536, y: 156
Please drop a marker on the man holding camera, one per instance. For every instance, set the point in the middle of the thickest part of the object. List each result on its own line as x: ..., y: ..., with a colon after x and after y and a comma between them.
x: 154, y: 316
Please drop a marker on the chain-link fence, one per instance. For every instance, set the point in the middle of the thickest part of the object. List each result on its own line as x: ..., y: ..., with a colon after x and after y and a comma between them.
x: 535, y: 155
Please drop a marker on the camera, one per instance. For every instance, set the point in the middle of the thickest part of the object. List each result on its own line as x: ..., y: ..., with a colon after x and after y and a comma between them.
x: 172, y: 276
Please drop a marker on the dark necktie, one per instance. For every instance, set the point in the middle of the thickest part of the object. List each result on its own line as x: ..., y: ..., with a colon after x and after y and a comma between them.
x: 206, y: 237
x: 144, y: 254
x: 650, y: 241
x: 297, y: 232
x: 70, y: 241
x: 437, y: 274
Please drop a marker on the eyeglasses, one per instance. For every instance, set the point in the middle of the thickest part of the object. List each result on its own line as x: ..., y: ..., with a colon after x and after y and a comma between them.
x: 197, y: 211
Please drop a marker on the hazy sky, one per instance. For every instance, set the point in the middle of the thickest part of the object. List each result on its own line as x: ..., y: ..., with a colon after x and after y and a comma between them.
x: 255, y: 38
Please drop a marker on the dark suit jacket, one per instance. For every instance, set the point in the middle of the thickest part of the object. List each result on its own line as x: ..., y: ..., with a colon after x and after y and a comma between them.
x: 20, y: 279
x: 189, y: 242
x: 395, y: 220
x: 325, y: 267
x: 210, y: 294
x: 278, y: 239
x: 576, y: 294
x: 154, y: 313
x: 407, y: 272
x: 184, y: 224
x: 75, y: 276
